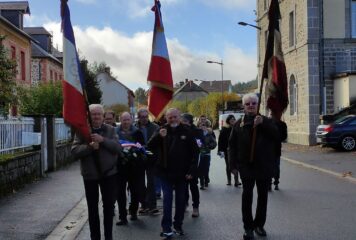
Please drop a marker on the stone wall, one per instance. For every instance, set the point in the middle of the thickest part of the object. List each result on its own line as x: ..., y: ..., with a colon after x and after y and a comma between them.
x: 26, y: 168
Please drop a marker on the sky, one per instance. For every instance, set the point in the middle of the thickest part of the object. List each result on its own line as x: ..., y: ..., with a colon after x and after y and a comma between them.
x: 119, y: 32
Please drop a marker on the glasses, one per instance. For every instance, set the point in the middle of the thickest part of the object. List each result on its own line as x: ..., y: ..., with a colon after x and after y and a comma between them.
x: 250, y: 103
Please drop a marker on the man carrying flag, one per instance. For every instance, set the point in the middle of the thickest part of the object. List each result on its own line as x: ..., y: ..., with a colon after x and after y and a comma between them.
x: 98, y: 151
x: 160, y: 73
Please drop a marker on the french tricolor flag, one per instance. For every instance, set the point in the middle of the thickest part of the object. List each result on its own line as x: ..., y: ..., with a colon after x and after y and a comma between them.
x: 74, y: 103
x: 274, y: 69
x: 159, y: 73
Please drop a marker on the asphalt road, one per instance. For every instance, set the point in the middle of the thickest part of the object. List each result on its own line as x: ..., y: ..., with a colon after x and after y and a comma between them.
x: 310, y: 206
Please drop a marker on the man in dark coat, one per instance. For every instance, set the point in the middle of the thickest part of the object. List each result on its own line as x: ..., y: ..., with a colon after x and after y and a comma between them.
x: 148, y: 128
x: 257, y: 169
x: 98, y: 165
x: 177, y: 155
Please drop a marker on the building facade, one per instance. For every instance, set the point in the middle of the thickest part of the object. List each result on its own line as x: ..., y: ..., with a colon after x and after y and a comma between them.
x: 319, y: 46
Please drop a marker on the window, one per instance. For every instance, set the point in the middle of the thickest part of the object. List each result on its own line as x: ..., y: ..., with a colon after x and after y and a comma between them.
x: 291, y: 29
x: 55, y: 76
x: 23, y: 66
x: 51, y: 75
x: 353, y: 18
x: 293, y: 95
x: 13, y: 53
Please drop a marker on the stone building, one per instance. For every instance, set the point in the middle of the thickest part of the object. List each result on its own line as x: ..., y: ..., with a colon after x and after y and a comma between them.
x: 319, y: 46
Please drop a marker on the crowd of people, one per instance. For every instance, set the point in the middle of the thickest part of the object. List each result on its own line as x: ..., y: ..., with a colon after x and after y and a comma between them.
x: 142, y: 159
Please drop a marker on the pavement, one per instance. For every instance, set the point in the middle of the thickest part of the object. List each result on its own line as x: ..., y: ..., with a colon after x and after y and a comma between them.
x: 312, y: 204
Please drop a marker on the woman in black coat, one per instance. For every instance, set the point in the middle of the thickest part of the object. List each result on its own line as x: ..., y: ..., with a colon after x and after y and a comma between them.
x: 222, y: 148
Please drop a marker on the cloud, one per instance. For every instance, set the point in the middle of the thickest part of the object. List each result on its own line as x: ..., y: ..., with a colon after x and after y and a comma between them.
x: 129, y: 56
x: 35, y: 20
x: 231, y: 4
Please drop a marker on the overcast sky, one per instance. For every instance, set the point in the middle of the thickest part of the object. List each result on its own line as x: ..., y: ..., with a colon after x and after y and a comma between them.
x: 119, y: 32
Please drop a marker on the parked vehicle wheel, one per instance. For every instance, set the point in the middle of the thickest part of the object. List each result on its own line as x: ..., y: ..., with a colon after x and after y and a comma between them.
x: 348, y: 143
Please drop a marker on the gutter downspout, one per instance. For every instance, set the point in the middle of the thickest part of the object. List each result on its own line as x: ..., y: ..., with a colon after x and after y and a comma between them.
x: 322, y: 89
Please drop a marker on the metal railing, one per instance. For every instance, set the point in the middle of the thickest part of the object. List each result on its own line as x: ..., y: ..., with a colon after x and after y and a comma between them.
x: 13, y: 134
x: 62, y: 131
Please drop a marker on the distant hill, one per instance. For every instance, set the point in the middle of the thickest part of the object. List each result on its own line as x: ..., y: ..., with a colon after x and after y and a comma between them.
x: 245, y: 86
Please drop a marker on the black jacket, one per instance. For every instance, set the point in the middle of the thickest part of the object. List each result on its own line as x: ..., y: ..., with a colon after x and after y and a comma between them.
x: 223, y: 140
x: 177, y: 153
x: 283, y: 134
x: 267, y: 136
x: 151, y: 128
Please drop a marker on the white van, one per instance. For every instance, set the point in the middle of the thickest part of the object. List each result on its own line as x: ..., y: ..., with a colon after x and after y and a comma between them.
x: 222, y: 118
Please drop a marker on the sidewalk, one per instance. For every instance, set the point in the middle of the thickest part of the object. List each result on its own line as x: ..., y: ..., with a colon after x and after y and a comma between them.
x: 34, y: 211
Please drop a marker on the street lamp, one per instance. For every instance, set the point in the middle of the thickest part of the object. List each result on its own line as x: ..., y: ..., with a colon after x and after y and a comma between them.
x: 247, y: 24
x: 222, y: 80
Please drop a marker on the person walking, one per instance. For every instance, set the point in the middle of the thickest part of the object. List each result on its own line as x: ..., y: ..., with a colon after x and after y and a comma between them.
x: 148, y: 128
x: 177, y: 155
x: 222, y: 149
x: 256, y: 169
x: 98, y: 164
x: 131, y: 170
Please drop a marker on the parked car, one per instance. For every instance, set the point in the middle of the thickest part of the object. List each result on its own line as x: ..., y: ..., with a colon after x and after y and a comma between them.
x: 222, y: 118
x: 340, y: 134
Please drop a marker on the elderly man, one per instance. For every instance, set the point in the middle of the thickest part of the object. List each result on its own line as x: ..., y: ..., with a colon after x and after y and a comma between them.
x: 131, y: 171
x: 98, y: 164
x: 148, y: 128
x: 253, y: 170
x: 177, y: 154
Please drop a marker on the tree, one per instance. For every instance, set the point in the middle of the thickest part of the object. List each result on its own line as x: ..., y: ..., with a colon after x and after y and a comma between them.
x: 245, y: 87
x: 91, y: 84
x: 45, y: 98
x: 7, y: 79
x: 141, y: 96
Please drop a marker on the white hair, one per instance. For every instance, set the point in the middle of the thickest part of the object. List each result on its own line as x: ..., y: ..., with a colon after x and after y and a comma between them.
x: 96, y: 106
x: 252, y: 96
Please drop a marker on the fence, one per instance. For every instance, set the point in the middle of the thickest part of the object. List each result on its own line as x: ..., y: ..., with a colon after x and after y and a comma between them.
x: 18, y: 134
x: 63, y: 131
x: 14, y: 134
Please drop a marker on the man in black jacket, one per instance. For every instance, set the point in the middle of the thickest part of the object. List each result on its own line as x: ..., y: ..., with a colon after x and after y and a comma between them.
x: 257, y: 169
x: 177, y: 155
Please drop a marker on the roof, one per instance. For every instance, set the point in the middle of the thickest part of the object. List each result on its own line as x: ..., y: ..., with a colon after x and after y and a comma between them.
x: 189, y: 86
x: 13, y: 27
x: 38, y: 52
x: 36, y: 31
x: 18, y: 5
x: 57, y: 53
x: 215, y: 86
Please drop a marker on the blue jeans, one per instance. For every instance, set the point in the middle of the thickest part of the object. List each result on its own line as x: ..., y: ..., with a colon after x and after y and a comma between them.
x: 167, y: 188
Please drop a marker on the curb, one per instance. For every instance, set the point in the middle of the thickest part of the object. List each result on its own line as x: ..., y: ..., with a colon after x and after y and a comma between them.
x: 329, y: 172
x: 72, y: 223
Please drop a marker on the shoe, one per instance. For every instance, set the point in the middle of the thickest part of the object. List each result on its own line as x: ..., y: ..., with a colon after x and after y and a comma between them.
x: 276, y: 187
x: 195, y: 213
x: 133, y: 217
x: 143, y: 211
x: 260, y: 231
x: 228, y: 183
x: 202, y: 188
x: 166, y: 235
x: 121, y: 222
x: 206, y: 184
x: 248, y: 235
x: 153, y: 211
x: 178, y: 231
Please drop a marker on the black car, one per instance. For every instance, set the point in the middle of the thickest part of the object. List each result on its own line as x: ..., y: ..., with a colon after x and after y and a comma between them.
x: 340, y: 135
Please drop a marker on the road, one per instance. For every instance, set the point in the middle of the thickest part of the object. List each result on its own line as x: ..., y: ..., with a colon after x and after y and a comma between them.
x: 311, y: 205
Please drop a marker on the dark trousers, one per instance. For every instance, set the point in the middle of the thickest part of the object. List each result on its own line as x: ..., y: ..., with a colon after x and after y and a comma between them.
x: 228, y: 170
x: 158, y: 187
x: 247, y: 199
x: 134, y: 179
x: 277, y: 170
x: 193, y: 186
x: 204, y: 167
x: 167, y: 188
x: 150, y: 201
x: 108, y: 192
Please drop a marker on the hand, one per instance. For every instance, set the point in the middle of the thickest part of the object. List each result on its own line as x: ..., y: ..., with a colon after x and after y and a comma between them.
x: 234, y: 171
x: 96, y: 138
x: 94, y: 145
x: 163, y: 132
x: 188, y: 177
x: 258, y: 120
